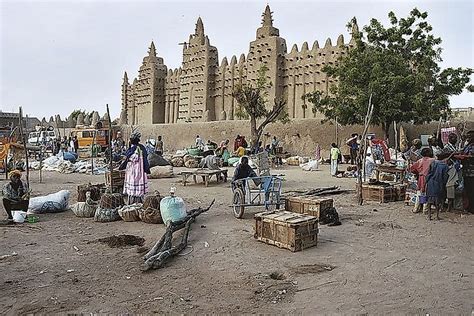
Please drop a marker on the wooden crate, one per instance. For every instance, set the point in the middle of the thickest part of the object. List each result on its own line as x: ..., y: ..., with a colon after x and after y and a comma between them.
x: 287, y: 230
x: 400, y: 191
x: 118, y: 178
x: 379, y: 193
x: 309, y: 206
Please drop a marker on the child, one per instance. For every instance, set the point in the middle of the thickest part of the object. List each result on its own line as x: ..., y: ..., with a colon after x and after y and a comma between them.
x: 335, y: 152
x: 436, y: 184
x: 421, y: 168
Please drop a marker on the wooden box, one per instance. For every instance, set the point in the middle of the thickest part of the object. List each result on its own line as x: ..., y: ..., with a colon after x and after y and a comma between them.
x: 400, y: 191
x: 380, y: 193
x: 309, y: 206
x: 118, y: 178
x: 287, y: 230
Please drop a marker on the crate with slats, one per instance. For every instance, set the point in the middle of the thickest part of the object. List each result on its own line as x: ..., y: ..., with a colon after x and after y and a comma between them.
x: 287, y: 230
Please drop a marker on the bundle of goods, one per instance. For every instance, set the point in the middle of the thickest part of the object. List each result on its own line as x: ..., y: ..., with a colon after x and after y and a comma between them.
x: 95, y: 191
x: 129, y: 213
x: 191, y: 161
x: 108, y: 207
x: 194, y: 151
x: 172, y: 208
x: 177, y: 162
x: 294, y: 161
x: 157, y: 160
x: 52, y: 203
x: 150, y: 213
x: 159, y: 172
x: 87, y: 208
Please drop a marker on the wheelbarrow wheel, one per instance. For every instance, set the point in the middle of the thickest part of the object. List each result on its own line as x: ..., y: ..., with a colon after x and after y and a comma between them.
x: 238, y: 201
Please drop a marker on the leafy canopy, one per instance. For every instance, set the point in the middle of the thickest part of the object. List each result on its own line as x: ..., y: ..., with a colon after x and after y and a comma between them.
x: 399, y: 66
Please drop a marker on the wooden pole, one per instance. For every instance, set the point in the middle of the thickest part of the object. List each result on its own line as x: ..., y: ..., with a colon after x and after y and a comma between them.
x: 396, y: 138
x: 40, y: 153
x: 92, y: 151
x: 22, y: 136
x: 111, y: 167
x: 363, y: 153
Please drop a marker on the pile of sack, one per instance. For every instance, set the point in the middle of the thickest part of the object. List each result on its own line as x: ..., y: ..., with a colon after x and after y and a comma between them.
x: 55, y: 163
x: 148, y: 212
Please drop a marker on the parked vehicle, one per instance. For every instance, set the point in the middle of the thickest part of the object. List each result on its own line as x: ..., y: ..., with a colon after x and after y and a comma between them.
x: 42, y: 136
x: 88, y: 136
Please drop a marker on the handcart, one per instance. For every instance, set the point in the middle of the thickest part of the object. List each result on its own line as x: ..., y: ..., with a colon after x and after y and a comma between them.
x: 256, y: 191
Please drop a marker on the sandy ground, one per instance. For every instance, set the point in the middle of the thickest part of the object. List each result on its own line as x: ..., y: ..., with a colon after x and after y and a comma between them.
x: 383, y: 259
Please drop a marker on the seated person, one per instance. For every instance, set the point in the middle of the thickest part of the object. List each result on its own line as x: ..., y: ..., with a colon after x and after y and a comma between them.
x: 15, y: 194
x: 211, y: 162
x: 243, y: 170
x: 240, y: 152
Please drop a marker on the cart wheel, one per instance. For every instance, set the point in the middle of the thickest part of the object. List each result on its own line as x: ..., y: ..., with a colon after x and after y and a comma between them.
x: 239, y: 199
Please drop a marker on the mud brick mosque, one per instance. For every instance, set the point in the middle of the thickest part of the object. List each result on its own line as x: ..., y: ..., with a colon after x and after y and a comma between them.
x: 201, y: 89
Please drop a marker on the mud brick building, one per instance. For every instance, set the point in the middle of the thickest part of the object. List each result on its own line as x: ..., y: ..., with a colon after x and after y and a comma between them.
x: 201, y: 89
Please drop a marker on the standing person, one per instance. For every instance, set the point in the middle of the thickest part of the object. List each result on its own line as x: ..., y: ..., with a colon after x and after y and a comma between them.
x: 159, y: 146
x: 244, y: 142
x: 150, y: 146
x: 450, y: 147
x: 468, y: 171
x: 15, y: 194
x: 353, y: 146
x: 436, y: 184
x: 421, y: 168
x: 199, y: 143
x: 136, y: 169
x: 335, y: 152
x: 414, y: 153
x: 274, y: 145
x: 118, y: 144
x: 76, y: 144
x: 433, y: 143
x: 71, y: 144
x: 237, y: 142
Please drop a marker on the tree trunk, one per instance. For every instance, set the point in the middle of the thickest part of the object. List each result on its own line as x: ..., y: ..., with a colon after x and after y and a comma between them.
x: 253, y: 133
x: 386, y: 129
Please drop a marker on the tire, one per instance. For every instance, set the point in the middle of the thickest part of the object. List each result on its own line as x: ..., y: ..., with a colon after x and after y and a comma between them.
x: 238, y: 201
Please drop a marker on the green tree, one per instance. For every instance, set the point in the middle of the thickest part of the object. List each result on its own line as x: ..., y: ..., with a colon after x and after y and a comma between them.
x: 399, y: 66
x: 251, y: 104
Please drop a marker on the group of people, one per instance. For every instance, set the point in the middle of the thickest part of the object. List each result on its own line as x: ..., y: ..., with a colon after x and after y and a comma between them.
x: 440, y: 175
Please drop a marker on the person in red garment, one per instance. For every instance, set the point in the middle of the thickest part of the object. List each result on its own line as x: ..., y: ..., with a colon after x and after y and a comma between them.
x: 421, y: 168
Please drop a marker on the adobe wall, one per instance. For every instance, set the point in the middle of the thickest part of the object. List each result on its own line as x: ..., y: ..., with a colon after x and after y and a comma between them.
x: 298, y: 137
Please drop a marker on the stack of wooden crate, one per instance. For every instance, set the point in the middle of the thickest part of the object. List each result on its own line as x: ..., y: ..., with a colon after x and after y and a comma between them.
x: 383, y: 193
x: 296, y: 228
x: 309, y: 206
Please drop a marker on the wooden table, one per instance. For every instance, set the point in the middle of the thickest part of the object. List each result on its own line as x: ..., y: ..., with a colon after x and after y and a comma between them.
x: 399, y: 173
x: 206, y: 175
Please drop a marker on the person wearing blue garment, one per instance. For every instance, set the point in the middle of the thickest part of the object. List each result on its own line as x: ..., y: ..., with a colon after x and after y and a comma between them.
x: 436, y: 181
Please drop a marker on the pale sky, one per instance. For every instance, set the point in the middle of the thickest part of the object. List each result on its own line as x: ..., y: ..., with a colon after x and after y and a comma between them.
x: 57, y: 56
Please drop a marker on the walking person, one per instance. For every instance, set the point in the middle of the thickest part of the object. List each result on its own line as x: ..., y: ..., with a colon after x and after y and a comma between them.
x: 353, y: 146
x: 159, y: 146
x: 136, y: 169
x: 335, y: 153
x: 436, y: 185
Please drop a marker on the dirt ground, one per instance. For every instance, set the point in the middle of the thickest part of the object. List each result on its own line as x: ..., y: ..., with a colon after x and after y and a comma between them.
x: 383, y: 259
